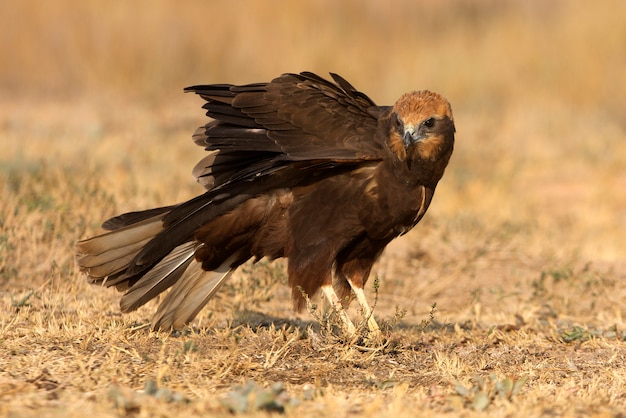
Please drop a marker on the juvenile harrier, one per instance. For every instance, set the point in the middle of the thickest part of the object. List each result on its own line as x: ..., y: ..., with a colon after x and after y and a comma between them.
x: 300, y: 167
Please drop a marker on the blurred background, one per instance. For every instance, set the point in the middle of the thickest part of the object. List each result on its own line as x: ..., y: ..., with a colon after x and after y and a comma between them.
x: 479, y: 53
x: 538, y: 90
x: 523, y: 250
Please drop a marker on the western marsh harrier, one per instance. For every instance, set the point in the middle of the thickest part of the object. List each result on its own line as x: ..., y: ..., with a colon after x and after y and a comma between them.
x: 300, y: 167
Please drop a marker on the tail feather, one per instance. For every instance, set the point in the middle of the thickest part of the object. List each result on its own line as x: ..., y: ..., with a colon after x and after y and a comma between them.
x: 116, y: 259
x: 190, y: 293
x: 130, y: 218
x: 104, y: 273
x: 159, y: 278
x: 90, y: 260
x: 121, y: 237
x: 107, y: 255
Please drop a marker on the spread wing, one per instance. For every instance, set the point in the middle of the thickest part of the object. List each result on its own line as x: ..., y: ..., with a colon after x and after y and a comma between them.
x: 296, y: 120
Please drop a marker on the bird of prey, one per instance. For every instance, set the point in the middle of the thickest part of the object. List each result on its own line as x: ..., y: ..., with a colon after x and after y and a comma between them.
x: 299, y: 167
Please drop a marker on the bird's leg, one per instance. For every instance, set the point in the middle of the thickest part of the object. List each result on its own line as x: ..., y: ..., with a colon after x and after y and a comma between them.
x: 367, y: 311
x: 333, y: 299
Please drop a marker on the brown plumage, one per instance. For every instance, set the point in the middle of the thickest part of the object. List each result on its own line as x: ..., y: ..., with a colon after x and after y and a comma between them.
x: 299, y: 167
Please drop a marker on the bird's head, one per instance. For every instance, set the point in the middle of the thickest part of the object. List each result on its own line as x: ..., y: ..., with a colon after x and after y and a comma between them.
x: 422, y: 127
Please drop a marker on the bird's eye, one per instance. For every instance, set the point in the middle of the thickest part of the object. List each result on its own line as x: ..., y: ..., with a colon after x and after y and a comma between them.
x: 429, y: 123
x: 399, y: 123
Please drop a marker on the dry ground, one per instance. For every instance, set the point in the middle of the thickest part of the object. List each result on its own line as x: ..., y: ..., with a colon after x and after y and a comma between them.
x: 507, y: 299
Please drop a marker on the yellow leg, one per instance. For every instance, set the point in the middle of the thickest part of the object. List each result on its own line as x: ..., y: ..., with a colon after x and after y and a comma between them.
x: 333, y: 299
x: 367, y: 311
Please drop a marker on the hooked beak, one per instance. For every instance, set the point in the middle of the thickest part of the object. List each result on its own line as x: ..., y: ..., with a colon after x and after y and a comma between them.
x: 411, y: 136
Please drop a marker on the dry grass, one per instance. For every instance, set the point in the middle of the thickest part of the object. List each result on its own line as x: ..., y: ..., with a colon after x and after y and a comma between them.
x: 523, y: 250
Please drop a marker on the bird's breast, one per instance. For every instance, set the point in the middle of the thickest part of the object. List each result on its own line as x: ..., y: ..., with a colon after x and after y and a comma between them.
x: 392, y: 205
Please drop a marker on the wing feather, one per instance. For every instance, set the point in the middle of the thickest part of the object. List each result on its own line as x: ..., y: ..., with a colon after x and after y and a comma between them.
x: 303, y: 116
